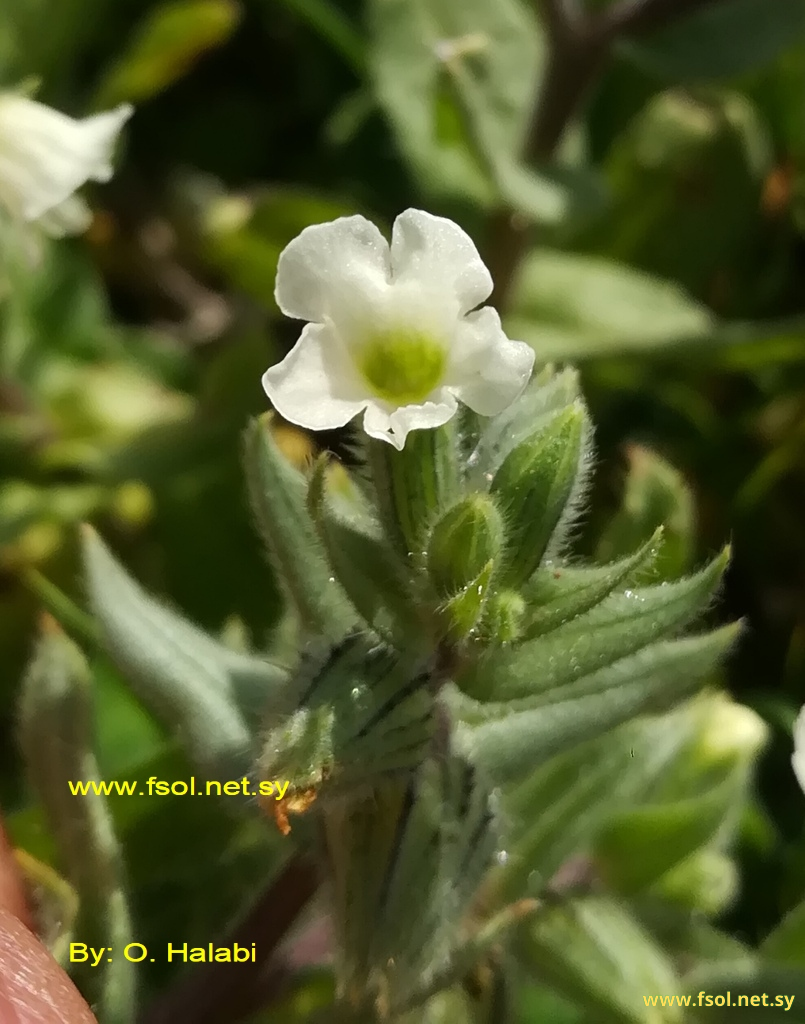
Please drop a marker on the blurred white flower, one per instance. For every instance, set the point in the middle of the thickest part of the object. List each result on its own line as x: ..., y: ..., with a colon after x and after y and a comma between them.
x: 798, y: 757
x: 45, y: 156
x: 391, y: 330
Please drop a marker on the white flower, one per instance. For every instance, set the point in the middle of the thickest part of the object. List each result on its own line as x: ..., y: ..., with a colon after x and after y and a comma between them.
x: 45, y: 156
x: 798, y: 757
x: 391, y: 330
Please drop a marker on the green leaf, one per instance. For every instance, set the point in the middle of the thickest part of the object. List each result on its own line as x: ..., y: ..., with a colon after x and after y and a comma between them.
x: 560, y: 808
x: 786, y: 943
x: 617, y: 627
x: 278, y: 496
x: 166, y: 44
x: 715, y: 148
x: 594, y: 953
x: 458, y: 82
x: 639, y: 846
x: 55, y: 728
x: 506, y: 741
x: 655, y: 494
x: 558, y: 593
x: 571, y: 307
x: 372, y: 577
x: 720, y: 40
x: 195, y: 685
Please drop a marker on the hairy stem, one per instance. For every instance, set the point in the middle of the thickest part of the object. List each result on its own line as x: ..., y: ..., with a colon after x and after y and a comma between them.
x: 219, y: 993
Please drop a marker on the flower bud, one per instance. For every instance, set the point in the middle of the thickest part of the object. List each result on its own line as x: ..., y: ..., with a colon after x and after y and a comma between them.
x: 463, y: 541
x: 729, y: 732
x: 534, y: 484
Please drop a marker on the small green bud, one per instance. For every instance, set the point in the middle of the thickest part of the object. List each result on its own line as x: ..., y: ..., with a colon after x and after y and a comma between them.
x: 534, y: 484
x: 505, y: 614
x: 463, y: 541
x: 707, y: 881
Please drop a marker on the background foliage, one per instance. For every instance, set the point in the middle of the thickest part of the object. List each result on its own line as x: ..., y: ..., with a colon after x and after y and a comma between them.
x: 667, y: 264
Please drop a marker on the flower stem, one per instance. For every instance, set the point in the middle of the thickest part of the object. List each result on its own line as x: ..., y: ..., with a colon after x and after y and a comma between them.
x: 579, y: 47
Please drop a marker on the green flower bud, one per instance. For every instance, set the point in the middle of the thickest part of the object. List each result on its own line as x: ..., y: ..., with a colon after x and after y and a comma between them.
x: 467, y: 537
x: 534, y: 485
x: 707, y: 881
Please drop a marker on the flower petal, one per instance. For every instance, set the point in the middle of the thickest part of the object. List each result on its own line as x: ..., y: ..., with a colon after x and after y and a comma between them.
x: 45, y: 155
x: 326, y: 262
x: 488, y: 371
x: 393, y: 426
x: 798, y: 758
x: 314, y: 386
x: 435, y: 251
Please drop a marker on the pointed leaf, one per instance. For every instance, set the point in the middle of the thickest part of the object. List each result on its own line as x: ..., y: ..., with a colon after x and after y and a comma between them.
x: 620, y: 625
x: 558, y: 593
x: 55, y: 729
x: 277, y: 493
x: 192, y: 682
x: 639, y: 846
x: 505, y: 744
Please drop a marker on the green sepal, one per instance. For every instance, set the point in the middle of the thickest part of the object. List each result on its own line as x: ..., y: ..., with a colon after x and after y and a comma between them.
x: 55, y: 735
x: 357, y: 713
x: 534, y: 485
x: 371, y: 574
x: 461, y: 613
x: 202, y: 690
x: 277, y: 491
x: 413, y: 486
x: 617, y: 627
x: 557, y: 593
x: 504, y: 617
x: 464, y: 540
x: 508, y: 738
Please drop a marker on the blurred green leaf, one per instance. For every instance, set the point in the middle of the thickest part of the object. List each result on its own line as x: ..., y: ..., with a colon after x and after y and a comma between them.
x: 457, y: 82
x: 594, y: 953
x: 722, y: 40
x: 166, y: 44
x: 655, y: 495
x: 569, y: 306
